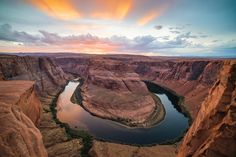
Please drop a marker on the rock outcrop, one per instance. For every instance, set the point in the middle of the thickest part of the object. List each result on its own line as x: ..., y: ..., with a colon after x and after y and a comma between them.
x: 49, y: 80
x: 106, y: 149
x: 191, y: 78
x: 20, y: 111
x: 44, y: 71
x: 111, y: 91
x: 213, y: 133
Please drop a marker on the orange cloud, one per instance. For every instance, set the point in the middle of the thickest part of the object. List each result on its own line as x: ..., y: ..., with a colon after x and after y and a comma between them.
x: 62, y: 9
x: 104, y: 9
x: 112, y: 9
x: 147, y: 18
x: 151, y: 15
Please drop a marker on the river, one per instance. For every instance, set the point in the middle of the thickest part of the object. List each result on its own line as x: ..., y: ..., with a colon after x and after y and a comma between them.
x: 173, y: 125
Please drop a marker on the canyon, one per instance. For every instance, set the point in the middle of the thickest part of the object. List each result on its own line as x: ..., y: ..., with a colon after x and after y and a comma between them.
x: 113, y: 88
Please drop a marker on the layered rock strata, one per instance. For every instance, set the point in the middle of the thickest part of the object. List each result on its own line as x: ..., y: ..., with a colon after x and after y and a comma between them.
x: 213, y: 132
x: 106, y: 149
x: 191, y: 78
x: 49, y: 81
x: 20, y: 111
x: 111, y: 93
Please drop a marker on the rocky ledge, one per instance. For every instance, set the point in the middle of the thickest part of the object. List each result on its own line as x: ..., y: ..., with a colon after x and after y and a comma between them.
x: 106, y: 149
x: 48, y: 80
x: 19, y: 113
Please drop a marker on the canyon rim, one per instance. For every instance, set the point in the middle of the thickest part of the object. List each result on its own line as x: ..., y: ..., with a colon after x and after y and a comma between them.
x: 117, y: 78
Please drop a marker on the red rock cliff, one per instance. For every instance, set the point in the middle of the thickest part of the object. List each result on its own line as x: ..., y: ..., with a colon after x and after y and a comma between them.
x: 191, y: 78
x: 213, y: 133
x: 49, y: 80
x: 46, y: 74
x: 20, y: 111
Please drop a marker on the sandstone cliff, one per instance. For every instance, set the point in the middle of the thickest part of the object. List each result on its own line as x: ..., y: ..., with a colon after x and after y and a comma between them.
x: 191, y: 78
x: 213, y: 133
x: 20, y: 111
x: 111, y: 91
x: 49, y: 80
x: 44, y: 71
x: 106, y: 149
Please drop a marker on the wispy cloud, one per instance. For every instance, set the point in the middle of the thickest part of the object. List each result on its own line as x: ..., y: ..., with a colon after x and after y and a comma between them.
x: 91, y: 43
x: 103, y: 9
x: 63, y: 9
x: 158, y: 27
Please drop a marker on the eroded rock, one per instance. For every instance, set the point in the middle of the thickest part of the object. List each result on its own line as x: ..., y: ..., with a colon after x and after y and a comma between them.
x: 20, y: 111
x: 213, y: 132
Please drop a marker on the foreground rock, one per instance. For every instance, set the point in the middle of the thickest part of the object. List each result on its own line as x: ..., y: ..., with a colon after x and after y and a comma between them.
x: 49, y: 80
x: 213, y: 132
x: 56, y: 140
x: 20, y: 111
x: 106, y: 149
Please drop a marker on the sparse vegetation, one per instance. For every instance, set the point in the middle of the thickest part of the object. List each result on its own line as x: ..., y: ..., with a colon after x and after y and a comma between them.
x: 87, y: 139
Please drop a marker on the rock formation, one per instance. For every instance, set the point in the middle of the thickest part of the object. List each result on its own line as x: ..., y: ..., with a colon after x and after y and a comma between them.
x: 49, y: 80
x: 191, y: 78
x: 213, y: 133
x: 106, y: 149
x: 19, y: 113
x: 46, y: 74
x: 111, y: 91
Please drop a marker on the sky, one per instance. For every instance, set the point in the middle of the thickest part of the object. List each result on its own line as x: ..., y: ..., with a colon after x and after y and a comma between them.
x: 145, y: 27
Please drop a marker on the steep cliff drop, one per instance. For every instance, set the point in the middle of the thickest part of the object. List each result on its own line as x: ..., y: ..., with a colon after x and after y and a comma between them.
x: 20, y: 111
x: 49, y: 81
x: 213, y: 133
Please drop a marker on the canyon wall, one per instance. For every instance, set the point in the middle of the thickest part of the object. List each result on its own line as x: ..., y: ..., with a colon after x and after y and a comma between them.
x: 191, y: 78
x: 44, y: 71
x: 49, y: 80
x: 20, y: 111
x: 213, y: 133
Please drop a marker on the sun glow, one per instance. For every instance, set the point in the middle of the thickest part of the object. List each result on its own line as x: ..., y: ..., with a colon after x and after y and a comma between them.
x: 62, y: 9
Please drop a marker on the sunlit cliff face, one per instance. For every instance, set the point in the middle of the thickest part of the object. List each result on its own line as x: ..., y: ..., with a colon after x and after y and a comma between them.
x: 148, y: 27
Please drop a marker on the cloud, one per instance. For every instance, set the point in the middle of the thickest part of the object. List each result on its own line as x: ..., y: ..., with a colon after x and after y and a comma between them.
x: 188, y: 35
x: 142, y: 12
x: 204, y: 36
x: 175, y: 32
x: 7, y: 34
x: 147, y: 18
x: 91, y: 43
x: 177, y: 28
x: 158, y: 27
x: 214, y: 41
x: 63, y: 9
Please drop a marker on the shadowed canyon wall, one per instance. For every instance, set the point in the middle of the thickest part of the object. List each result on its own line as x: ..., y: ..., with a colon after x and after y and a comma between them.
x: 213, y: 133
